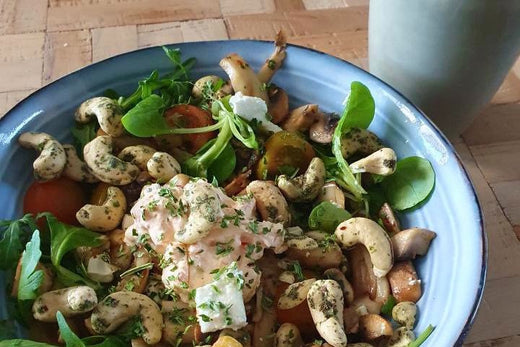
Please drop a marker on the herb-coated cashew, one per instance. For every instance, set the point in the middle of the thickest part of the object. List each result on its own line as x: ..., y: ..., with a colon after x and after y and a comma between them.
x: 76, y: 169
x: 404, y: 313
x: 306, y: 187
x: 381, y: 162
x: 270, y: 202
x: 205, y: 211
x: 402, y: 337
x: 288, y: 335
x: 302, y: 242
x: 295, y: 294
x: 338, y: 276
x: 118, y: 307
x: 104, y: 217
x: 163, y: 167
x: 327, y: 255
x: 52, y: 159
x: 325, y: 300
x: 106, y: 166
x: 178, y: 326
x: 359, y: 140
x: 107, y: 111
x: 373, y: 237
x: 69, y: 301
x: 137, y: 155
x: 332, y: 193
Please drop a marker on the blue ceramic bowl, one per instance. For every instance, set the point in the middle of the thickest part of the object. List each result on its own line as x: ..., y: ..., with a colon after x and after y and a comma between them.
x: 454, y: 269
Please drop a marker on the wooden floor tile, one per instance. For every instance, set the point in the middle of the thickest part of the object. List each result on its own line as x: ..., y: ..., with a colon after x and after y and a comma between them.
x: 510, y: 89
x: 9, y: 99
x: 236, y: 7
x: 21, y: 61
x: 298, y: 23
x: 323, y: 4
x: 498, y: 162
x: 204, y: 30
x: 22, y: 16
x: 289, y: 5
x: 65, y: 52
x: 107, y: 42
x: 79, y: 14
x: 508, y: 194
x: 510, y: 341
x: 158, y: 34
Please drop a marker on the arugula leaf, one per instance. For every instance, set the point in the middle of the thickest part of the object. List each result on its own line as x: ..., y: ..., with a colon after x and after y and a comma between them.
x: 71, y: 339
x: 30, y: 278
x: 410, y: 184
x: 326, y: 217
x: 83, y: 134
x: 65, y: 238
x: 24, y: 343
x: 358, y: 112
x: 181, y: 68
x: 14, y: 235
x: 388, y: 305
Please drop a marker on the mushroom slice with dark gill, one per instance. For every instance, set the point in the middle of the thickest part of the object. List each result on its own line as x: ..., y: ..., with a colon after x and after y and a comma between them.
x: 409, y: 243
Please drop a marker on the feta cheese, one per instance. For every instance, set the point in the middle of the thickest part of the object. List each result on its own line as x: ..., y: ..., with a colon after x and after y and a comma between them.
x: 220, y: 303
x: 251, y: 107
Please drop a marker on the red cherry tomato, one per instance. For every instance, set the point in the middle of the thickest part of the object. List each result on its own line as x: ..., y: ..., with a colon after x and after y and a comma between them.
x: 61, y: 197
x: 189, y: 116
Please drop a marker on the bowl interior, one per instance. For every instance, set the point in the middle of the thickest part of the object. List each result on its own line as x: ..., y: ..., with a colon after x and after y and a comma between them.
x: 452, y: 273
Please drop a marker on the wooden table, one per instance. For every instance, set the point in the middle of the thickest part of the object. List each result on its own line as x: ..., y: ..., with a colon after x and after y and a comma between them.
x: 42, y: 40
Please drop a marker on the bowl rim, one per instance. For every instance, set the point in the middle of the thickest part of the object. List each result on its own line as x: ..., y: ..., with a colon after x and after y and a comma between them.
x: 469, y: 183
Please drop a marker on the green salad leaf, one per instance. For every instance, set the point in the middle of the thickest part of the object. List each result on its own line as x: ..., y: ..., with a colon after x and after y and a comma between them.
x: 146, y: 118
x: 65, y: 238
x: 83, y: 134
x: 327, y: 216
x: 30, y: 278
x: 71, y: 339
x: 422, y: 337
x: 23, y: 343
x: 411, y: 183
x: 14, y: 236
x: 388, y: 305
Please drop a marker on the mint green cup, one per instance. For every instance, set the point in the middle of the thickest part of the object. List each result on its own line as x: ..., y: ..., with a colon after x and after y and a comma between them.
x: 448, y: 57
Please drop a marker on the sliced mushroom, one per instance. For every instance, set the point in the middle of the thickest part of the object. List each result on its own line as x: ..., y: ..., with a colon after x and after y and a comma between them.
x: 107, y: 216
x: 242, y: 77
x: 136, y: 282
x: 99, y: 268
x: 364, y: 305
x: 325, y: 300
x: 389, y: 219
x: 108, y: 114
x: 278, y: 104
x: 270, y: 202
x: 120, y: 252
x: 373, y: 237
x: 323, y: 129
x: 382, y: 162
x: 301, y: 118
x: 409, y: 243
x: 274, y: 62
x: 306, y: 187
x: 52, y: 159
x: 76, y: 169
x: 375, y: 329
x: 332, y: 193
x: 404, y: 282
x: 238, y: 184
x: 105, y: 166
x: 288, y: 335
x: 359, y: 140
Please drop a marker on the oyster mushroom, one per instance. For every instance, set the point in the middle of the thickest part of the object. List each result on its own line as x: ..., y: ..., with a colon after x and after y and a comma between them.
x: 409, y: 243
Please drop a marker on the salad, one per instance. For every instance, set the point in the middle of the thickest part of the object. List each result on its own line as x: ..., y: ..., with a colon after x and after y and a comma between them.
x: 211, y: 212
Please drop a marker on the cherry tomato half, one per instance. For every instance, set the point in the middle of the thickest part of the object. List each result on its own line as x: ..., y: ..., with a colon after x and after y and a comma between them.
x: 189, y: 116
x: 61, y: 197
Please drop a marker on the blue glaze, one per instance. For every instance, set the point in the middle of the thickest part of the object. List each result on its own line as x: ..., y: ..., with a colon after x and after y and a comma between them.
x: 452, y: 273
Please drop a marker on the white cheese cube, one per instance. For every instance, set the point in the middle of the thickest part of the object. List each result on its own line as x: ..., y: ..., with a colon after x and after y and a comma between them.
x: 220, y: 303
x: 251, y: 107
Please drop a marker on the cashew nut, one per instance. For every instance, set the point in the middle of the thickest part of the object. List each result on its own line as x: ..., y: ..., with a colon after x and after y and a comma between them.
x: 106, y: 166
x: 270, y: 202
x: 226, y: 341
x: 295, y: 294
x: 107, y: 216
x: 326, y: 255
x: 205, y: 210
x: 402, y: 337
x: 338, y: 276
x: 163, y: 167
x: 373, y: 237
x: 288, y: 335
x: 381, y: 162
x: 177, y: 324
x: 325, y: 300
x: 212, y: 80
x: 404, y: 313
x: 331, y: 192
x: 306, y: 187
x: 76, y: 169
x: 118, y: 307
x: 69, y: 301
x: 52, y: 159
x: 107, y: 111
x: 137, y: 155
x: 359, y: 140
